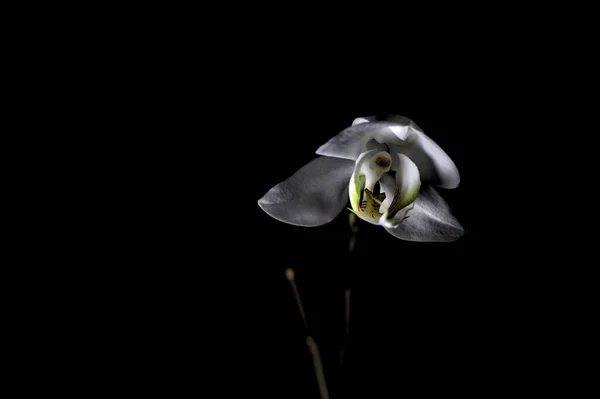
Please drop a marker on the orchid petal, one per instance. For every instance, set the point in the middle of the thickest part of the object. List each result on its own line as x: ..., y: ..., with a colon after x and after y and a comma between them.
x: 312, y: 196
x: 431, y: 220
x: 406, y: 190
x: 387, y: 185
x: 358, y: 121
x: 408, y: 183
x: 435, y: 166
x: 356, y: 139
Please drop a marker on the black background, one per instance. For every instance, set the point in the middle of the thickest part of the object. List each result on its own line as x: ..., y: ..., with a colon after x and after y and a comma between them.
x: 420, y: 311
x: 410, y: 302
x: 467, y: 317
x: 172, y: 280
x: 426, y: 317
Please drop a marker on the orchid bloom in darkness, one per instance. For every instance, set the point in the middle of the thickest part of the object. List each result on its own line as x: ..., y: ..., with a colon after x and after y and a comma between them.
x: 386, y: 169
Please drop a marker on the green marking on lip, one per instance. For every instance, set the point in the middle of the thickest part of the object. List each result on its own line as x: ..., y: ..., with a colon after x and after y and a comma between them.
x: 357, y: 185
x: 408, y: 198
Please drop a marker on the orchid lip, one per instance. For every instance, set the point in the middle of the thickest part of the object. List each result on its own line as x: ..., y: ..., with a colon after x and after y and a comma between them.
x: 389, y: 205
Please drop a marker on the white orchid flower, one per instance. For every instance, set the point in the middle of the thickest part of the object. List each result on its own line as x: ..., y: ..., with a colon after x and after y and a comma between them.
x: 386, y: 169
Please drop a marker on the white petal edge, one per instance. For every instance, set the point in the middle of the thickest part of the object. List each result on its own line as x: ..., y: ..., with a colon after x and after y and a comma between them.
x: 312, y: 196
x: 358, y: 138
x: 358, y: 121
x: 431, y: 220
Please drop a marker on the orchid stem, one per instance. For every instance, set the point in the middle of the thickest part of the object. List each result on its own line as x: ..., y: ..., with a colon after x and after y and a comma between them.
x: 347, y: 301
x: 314, y: 350
x: 347, y: 311
x: 310, y: 342
x: 290, y: 275
x: 354, y: 231
x: 352, y: 243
